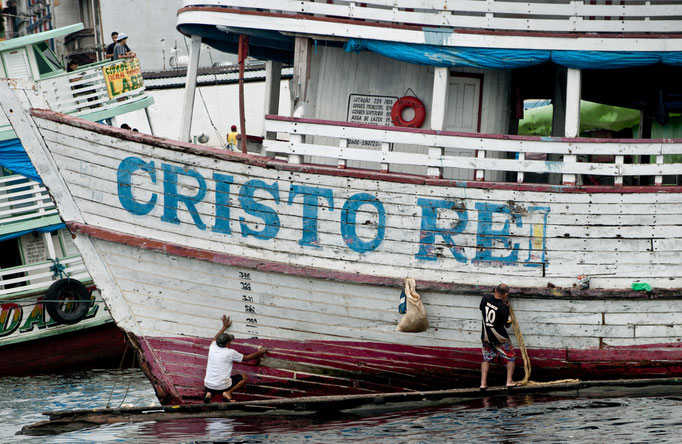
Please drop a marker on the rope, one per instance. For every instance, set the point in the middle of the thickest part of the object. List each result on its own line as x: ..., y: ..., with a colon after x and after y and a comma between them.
x: 57, y: 269
x: 526, y: 360
x: 130, y: 379
x: 120, y: 367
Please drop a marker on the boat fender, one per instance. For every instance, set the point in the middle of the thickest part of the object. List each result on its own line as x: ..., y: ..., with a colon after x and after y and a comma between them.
x: 408, y: 102
x: 58, y: 299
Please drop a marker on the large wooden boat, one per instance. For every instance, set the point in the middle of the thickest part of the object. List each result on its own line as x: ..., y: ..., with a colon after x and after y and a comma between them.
x: 37, y: 249
x: 306, y: 246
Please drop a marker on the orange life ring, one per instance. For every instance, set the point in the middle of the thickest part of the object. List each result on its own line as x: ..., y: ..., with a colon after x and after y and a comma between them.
x: 408, y: 102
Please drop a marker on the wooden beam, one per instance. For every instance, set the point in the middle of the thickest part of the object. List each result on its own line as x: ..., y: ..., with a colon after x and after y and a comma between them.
x: 572, y: 125
x: 190, y: 89
x: 439, y: 98
x: 273, y: 79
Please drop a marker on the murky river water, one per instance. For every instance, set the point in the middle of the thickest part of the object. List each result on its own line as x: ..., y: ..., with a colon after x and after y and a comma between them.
x: 654, y: 415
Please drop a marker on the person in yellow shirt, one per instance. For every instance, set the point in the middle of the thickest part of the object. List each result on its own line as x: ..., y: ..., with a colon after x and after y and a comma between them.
x: 232, y: 138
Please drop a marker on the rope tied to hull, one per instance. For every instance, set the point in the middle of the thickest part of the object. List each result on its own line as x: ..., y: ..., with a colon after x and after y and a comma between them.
x: 524, y: 354
x: 58, y: 269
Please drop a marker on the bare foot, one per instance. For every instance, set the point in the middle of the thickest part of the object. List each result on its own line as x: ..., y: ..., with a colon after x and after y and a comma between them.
x: 228, y: 397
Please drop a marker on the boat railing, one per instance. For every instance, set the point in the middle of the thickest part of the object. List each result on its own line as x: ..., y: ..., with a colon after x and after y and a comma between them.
x: 23, y: 200
x: 39, y: 276
x: 436, y: 154
x: 85, y: 91
x: 581, y: 16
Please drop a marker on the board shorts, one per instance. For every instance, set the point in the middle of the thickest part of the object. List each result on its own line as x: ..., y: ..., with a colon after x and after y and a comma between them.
x: 504, y: 351
x: 235, y: 380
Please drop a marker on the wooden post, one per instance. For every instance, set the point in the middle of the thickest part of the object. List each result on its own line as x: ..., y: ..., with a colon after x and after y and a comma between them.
x: 520, y: 175
x: 273, y: 79
x: 572, y: 128
x: 439, y: 97
x: 302, y: 56
x: 190, y: 89
x: 243, y: 54
x: 618, y: 180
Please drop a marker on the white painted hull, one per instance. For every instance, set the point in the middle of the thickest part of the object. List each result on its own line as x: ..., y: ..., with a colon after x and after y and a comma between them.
x: 169, y: 273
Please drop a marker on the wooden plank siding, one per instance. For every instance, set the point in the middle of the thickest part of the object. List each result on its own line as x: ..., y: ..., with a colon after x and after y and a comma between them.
x: 175, y: 254
x: 481, y: 14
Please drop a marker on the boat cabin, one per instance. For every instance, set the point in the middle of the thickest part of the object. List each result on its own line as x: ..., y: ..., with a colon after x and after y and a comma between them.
x: 439, y: 89
x: 96, y: 91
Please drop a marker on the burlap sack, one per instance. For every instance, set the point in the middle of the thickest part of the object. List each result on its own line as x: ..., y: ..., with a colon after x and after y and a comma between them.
x: 414, y: 320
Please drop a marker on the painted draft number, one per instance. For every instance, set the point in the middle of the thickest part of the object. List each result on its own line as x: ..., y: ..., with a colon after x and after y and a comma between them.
x: 249, y: 306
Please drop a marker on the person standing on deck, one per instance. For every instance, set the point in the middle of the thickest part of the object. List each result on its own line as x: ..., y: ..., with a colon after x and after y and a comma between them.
x: 121, y: 50
x: 232, y: 138
x: 219, y: 379
x: 495, y: 311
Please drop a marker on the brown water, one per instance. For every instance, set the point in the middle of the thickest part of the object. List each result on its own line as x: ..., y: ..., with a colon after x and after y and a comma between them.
x: 654, y: 414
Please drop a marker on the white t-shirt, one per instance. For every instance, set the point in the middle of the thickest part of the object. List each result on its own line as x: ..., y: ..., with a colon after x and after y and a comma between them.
x: 219, y: 366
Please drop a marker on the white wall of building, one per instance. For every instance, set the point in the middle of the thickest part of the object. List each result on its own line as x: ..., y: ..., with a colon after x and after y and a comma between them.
x: 150, y: 26
x: 220, y: 103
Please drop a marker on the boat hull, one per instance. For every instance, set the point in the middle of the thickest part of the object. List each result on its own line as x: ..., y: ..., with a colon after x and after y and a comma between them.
x: 309, y: 261
x: 100, y: 346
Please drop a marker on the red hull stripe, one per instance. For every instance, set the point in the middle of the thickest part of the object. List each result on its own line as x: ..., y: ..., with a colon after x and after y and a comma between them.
x: 292, y: 369
x: 265, y: 162
x: 311, y: 272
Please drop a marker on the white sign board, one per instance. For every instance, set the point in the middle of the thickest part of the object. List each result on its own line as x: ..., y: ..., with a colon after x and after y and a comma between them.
x: 369, y: 110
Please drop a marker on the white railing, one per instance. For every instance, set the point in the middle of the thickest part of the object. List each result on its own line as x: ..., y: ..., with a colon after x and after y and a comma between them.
x: 487, y: 151
x: 84, y: 91
x: 38, y: 276
x: 618, y: 16
x: 22, y: 200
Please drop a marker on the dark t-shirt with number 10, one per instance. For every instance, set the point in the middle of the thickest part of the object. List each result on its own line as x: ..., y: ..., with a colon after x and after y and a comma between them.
x: 495, y: 320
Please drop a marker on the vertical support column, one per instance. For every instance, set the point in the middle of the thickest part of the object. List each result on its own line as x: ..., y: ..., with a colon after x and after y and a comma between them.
x: 190, y: 89
x: 343, y: 144
x: 51, y: 252
x: 273, y: 79
x: 618, y: 180
x: 243, y: 54
x: 659, y: 179
x: 302, y: 54
x: 572, y: 129
x: 520, y: 176
x: 439, y: 97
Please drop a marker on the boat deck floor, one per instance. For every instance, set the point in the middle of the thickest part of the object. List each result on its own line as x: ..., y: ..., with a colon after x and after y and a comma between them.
x: 70, y: 420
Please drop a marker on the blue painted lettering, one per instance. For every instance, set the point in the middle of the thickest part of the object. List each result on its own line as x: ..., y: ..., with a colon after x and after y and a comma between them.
x: 486, y: 235
x: 311, y: 199
x: 173, y: 197
x: 250, y: 206
x: 348, y: 219
x: 222, y: 203
x: 430, y: 229
x: 125, y: 193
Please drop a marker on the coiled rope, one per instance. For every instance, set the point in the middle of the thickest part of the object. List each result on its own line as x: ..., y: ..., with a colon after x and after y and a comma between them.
x: 524, y: 353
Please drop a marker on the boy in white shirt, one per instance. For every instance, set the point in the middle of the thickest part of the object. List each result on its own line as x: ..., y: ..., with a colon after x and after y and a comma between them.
x: 219, y: 379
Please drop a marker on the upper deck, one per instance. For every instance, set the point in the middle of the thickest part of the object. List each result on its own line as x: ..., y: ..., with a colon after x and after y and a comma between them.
x: 621, y: 25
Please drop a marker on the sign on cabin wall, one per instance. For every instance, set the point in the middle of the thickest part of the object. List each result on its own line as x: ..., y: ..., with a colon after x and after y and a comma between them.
x: 369, y: 110
x: 34, y: 248
x: 123, y: 77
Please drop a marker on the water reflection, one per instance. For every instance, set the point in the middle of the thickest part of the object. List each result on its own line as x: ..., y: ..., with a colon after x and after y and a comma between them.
x: 654, y: 416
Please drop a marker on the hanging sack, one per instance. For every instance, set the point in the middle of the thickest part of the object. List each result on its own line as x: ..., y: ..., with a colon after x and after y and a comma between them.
x: 414, y: 320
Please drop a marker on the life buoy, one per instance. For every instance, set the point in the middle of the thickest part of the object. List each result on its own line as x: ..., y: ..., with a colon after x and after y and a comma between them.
x: 408, y: 102
x: 58, y: 303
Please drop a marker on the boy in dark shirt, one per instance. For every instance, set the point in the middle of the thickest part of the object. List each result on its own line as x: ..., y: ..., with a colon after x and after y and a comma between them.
x: 495, y: 311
